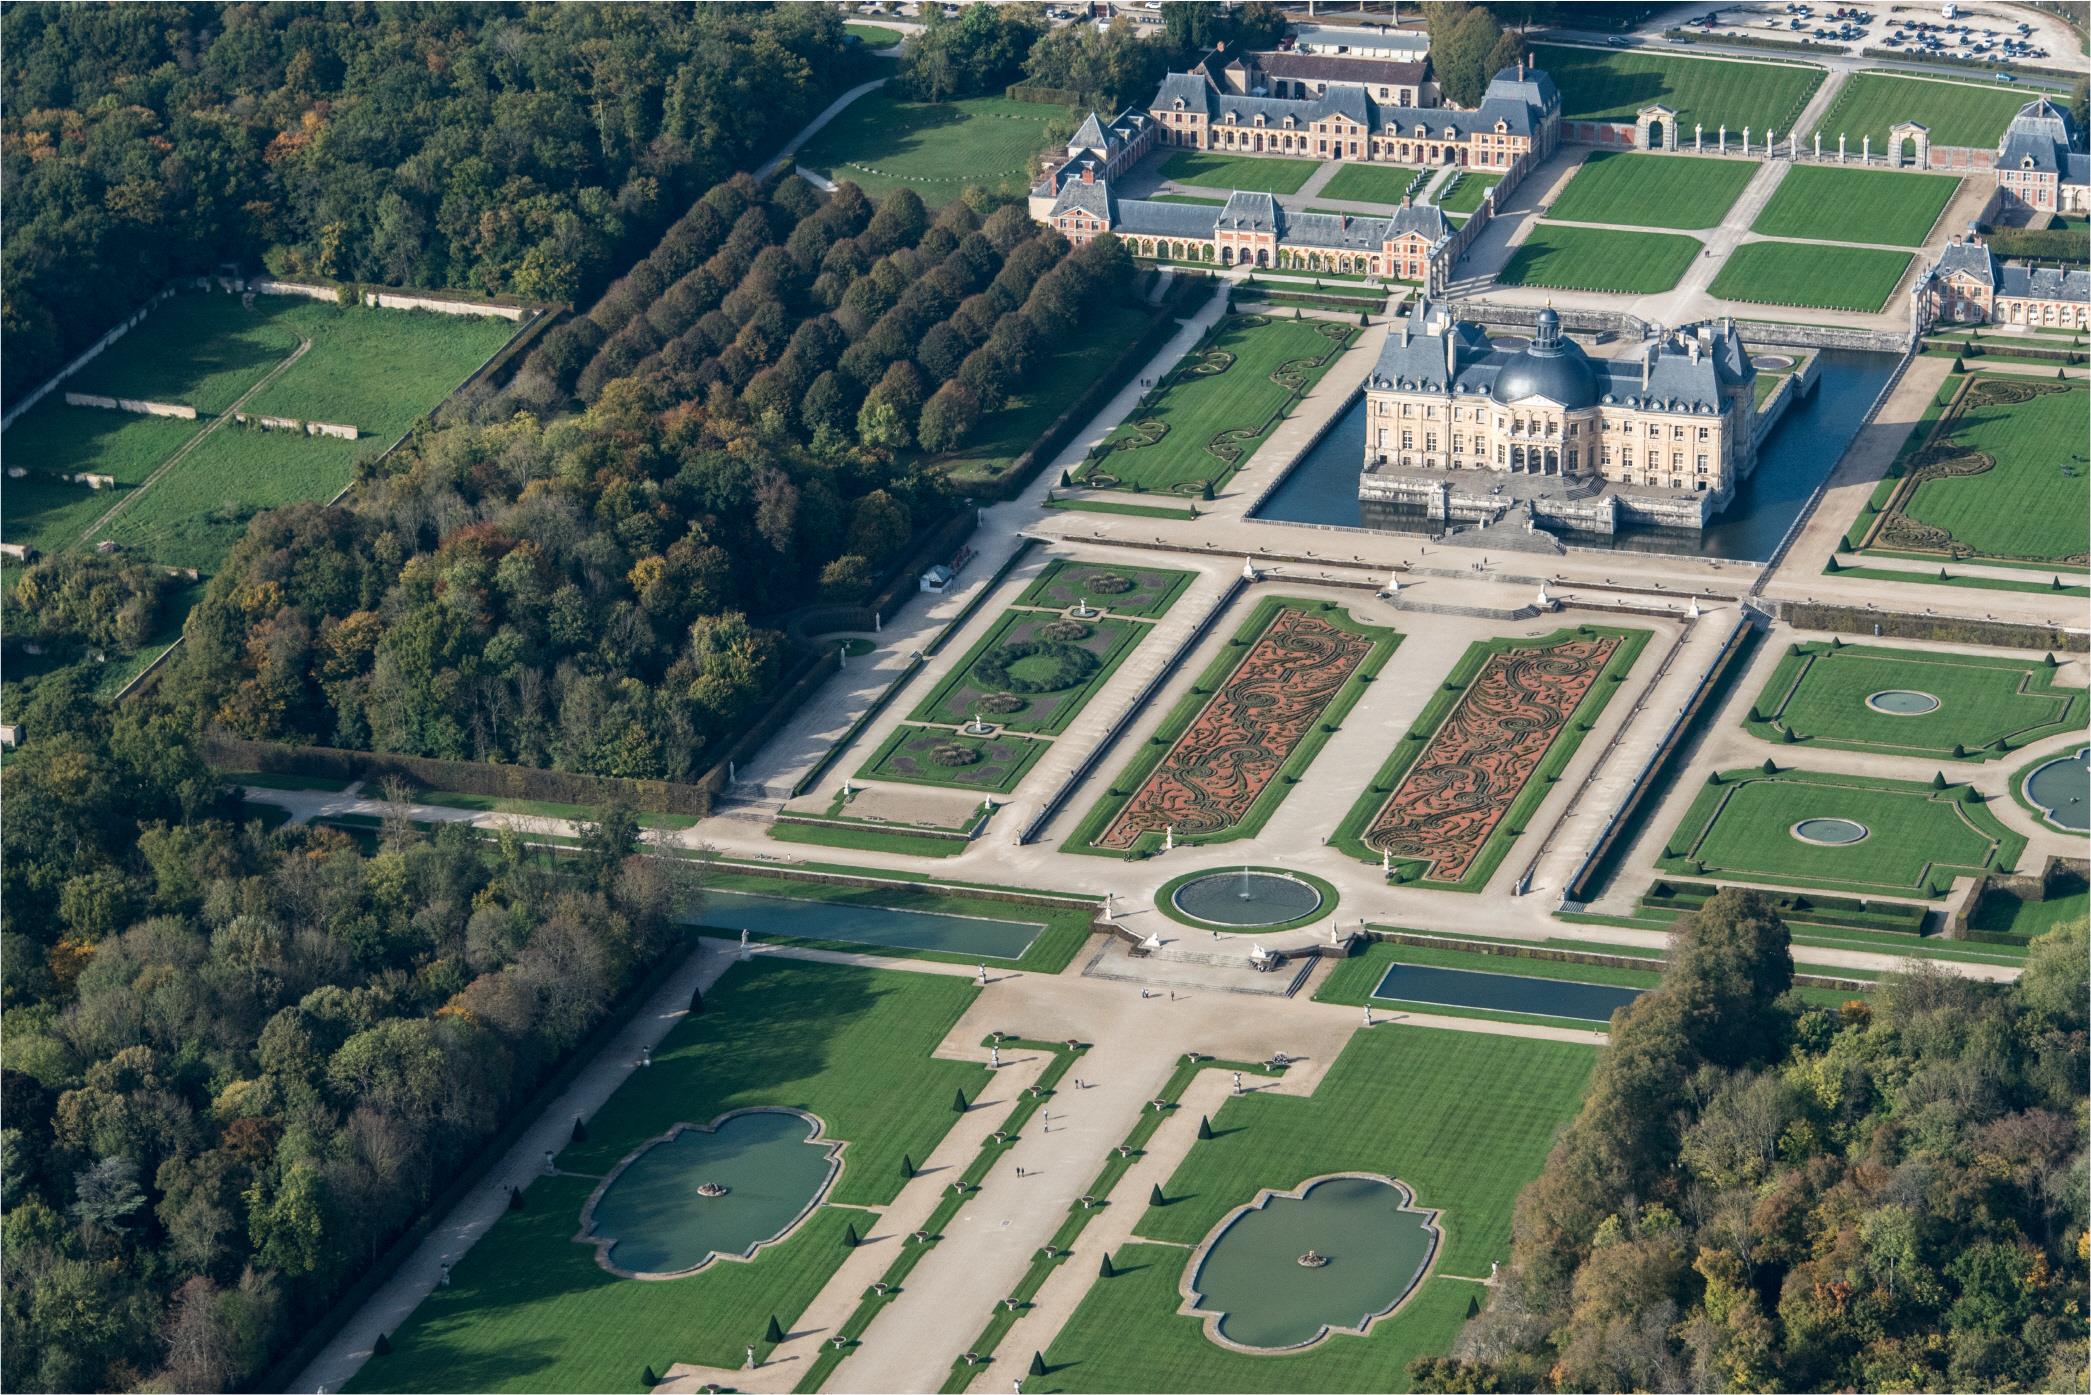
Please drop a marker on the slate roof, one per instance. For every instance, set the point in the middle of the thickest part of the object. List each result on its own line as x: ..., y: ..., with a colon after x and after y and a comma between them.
x: 1089, y: 135
x: 1330, y: 67
x: 2039, y: 138
x: 1166, y: 219
x: 1193, y: 91
x: 1091, y: 198
x: 2044, y: 283
x: 1335, y: 230
x: 1972, y: 258
x: 1325, y: 38
x: 1248, y: 212
x: 1520, y: 103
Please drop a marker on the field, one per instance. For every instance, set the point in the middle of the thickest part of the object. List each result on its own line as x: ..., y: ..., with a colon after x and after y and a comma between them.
x: 374, y: 369
x: 1465, y: 194
x: 1599, y: 259
x: 2004, y: 476
x: 1652, y: 191
x: 1601, y: 85
x: 1917, y: 838
x: 1480, y: 757
x: 1255, y: 174
x: 1147, y: 592
x: 940, y: 756
x: 1829, y: 278
x: 1958, y: 113
x: 938, y: 149
x: 874, y: 35
x: 1429, y: 1108
x: 528, y: 1309
x: 1369, y: 184
x: 1033, y: 671
x: 1226, y: 754
x: 1819, y: 695
x: 1209, y: 415
x: 1828, y: 204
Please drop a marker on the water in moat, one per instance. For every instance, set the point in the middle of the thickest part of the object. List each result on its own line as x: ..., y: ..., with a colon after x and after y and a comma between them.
x: 1799, y: 455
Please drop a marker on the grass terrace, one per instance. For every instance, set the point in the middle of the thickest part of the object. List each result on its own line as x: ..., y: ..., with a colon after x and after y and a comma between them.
x: 1033, y: 671
x: 1425, y: 1107
x: 1958, y: 113
x: 1209, y: 415
x: 1820, y: 693
x: 1386, y: 184
x: 1145, y: 592
x: 1611, y: 85
x: 1911, y: 839
x: 2031, y: 503
x: 953, y: 760
x: 1255, y: 174
x: 1824, y: 203
x: 1467, y: 190
x: 1829, y: 278
x: 1599, y: 259
x: 938, y: 149
x: 528, y: 1309
x: 1652, y: 191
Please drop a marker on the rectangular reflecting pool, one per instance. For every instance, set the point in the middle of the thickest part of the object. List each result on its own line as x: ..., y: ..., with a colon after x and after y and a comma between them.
x: 1550, y: 997
x: 861, y: 924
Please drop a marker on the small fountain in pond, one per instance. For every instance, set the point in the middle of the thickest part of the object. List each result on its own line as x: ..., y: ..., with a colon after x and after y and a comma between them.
x: 712, y: 1189
x: 1313, y: 1259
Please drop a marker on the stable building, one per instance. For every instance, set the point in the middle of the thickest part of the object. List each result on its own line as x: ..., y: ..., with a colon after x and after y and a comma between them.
x: 1460, y: 427
x: 1970, y: 286
x: 2038, y: 164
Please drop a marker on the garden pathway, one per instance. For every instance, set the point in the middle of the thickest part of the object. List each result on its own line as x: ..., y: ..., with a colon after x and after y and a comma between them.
x: 810, y: 129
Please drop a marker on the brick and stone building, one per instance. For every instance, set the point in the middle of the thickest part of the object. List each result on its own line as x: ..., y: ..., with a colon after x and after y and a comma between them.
x: 1969, y: 285
x: 1460, y: 427
x: 1102, y: 150
x: 2039, y: 166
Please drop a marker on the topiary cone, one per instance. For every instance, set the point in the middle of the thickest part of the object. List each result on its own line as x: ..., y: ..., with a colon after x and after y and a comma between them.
x: 382, y: 1346
x: 515, y: 1198
x: 958, y: 1101
x: 580, y: 1129
x: 696, y: 1001
x: 649, y: 1379
x: 849, y: 1237
x: 907, y: 1167
x: 1104, y: 1270
x: 1038, y: 1366
x: 773, y: 1334
x: 1155, y: 1197
x: 1204, y: 1127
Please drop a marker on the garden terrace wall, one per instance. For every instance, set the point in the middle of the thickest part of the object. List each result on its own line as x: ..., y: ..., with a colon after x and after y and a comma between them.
x: 1812, y: 615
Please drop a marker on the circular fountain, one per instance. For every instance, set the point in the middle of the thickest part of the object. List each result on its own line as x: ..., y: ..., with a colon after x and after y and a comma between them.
x: 1249, y: 898
x: 1902, y: 702
x: 1830, y: 833
x: 2061, y: 790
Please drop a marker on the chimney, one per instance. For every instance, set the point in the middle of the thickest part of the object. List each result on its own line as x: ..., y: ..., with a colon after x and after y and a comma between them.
x: 1648, y: 361
x: 1405, y: 201
x: 1451, y: 355
x: 1088, y: 172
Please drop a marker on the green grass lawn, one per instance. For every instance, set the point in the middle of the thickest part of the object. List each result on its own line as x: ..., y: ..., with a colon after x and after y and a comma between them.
x: 1256, y: 174
x: 1599, y: 259
x: 197, y: 349
x: 880, y: 840
x: 940, y: 756
x: 1467, y: 189
x: 1979, y: 583
x: 1044, y: 710
x: 1209, y: 415
x: 1608, y: 85
x: 1792, y: 273
x: 51, y: 439
x: 2034, y: 502
x: 1427, y: 1107
x: 199, y: 509
x: 1146, y: 592
x: 1369, y: 184
x: 1210, y: 687
x: 528, y: 1309
x: 939, y: 149
x: 1820, y: 696
x: 1918, y: 839
x: 2004, y: 913
x: 1065, y: 371
x: 1828, y: 204
x: 1652, y: 191
x: 1958, y: 113
x: 874, y: 35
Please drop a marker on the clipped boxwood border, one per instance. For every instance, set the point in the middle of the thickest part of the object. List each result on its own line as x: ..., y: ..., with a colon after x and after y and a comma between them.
x: 1163, y: 902
x: 1033, y: 747
x: 1134, y: 631
x: 1385, y: 641
x: 1173, y: 586
x: 1349, y: 835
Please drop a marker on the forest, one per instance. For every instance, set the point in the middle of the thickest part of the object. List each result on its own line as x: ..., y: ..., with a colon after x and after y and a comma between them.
x: 504, y: 148
x: 1755, y: 1197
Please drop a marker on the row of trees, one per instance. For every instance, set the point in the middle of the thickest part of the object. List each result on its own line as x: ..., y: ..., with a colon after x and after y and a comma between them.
x: 527, y: 149
x: 239, y: 1062
x: 1758, y: 1196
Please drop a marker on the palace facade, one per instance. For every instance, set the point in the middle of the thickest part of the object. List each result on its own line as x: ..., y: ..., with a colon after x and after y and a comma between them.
x: 1662, y: 436
x: 1969, y: 285
x: 2038, y: 164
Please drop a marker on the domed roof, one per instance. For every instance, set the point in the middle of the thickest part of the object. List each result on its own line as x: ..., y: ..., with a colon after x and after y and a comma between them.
x: 1550, y: 367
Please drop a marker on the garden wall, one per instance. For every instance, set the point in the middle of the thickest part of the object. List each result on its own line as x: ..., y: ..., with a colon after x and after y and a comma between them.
x: 85, y: 357
x: 136, y: 405
x: 1942, y: 629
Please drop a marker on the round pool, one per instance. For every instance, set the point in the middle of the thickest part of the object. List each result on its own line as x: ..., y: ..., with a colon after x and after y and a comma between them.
x: 2061, y: 789
x: 1774, y: 363
x: 1902, y: 702
x: 1247, y: 898
x: 1834, y: 833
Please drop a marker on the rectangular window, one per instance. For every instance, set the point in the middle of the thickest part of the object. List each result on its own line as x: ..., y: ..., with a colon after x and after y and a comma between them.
x: 1430, y: 440
x: 1702, y: 462
x: 1702, y: 433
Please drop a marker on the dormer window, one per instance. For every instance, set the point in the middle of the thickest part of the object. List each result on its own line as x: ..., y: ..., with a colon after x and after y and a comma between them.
x: 2026, y: 162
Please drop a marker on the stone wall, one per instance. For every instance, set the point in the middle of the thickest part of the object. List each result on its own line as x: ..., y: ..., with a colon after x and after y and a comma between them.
x: 85, y: 357
x: 403, y: 300
x: 135, y: 405
x: 265, y: 286
x: 1760, y: 334
x: 309, y: 428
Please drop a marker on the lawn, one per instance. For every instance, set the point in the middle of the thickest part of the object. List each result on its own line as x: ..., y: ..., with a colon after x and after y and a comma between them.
x: 939, y: 149
x: 1256, y: 174
x: 196, y: 349
x: 1229, y: 751
x: 1599, y: 259
x: 1369, y: 184
x: 940, y: 756
x: 874, y: 35
x: 1652, y: 191
x: 2004, y: 913
x: 1917, y: 838
x: 1958, y: 113
x: 1829, y: 278
x: 1819, y: 695
x: 1065, y: 371
x: 51, y: 439
x: 1427, y: 1107
x: 1604, y: 85
x: 1467, y: 189
x: 1209, y: 415
x: 528, y: 1309
x: 1032, y: 671
x: 199, y: 509
x: 1474, y: 766
x: 1828, y: 204
x: 1147, y: 592
x: 2033, y: 503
